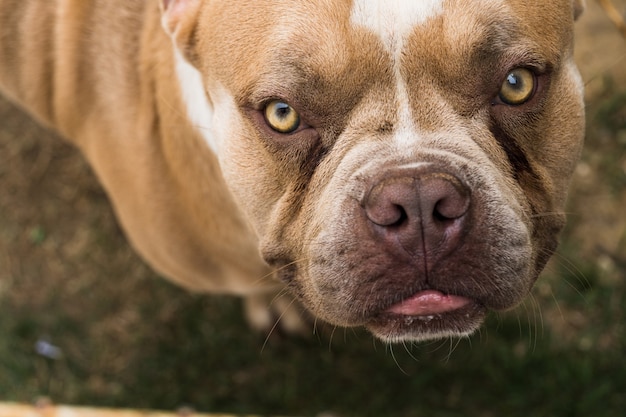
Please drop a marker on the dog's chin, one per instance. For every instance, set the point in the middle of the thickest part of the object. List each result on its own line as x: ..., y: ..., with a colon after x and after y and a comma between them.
x: 396, y: 327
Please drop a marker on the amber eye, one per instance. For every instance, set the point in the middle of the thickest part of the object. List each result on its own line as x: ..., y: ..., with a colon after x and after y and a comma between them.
x: 518, y: 87
x: 281, y: 117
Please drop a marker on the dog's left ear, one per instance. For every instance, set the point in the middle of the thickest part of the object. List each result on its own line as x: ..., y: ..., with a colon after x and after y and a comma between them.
x: 179, y: 19
x: 579, y: 7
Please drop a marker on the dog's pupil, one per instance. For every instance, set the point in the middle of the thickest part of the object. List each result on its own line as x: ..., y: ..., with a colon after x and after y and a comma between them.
x: 282, y: 110
x: 515, y: 81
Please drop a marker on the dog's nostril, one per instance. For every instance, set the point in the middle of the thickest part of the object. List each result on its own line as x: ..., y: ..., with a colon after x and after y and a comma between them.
x: 453, y: 206
x: 386, y: 215
x: 401, y: 218
x: 386, y: 203
x: 439, y: 216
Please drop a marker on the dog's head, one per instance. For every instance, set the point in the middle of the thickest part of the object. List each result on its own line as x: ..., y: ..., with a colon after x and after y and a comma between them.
x: 404, y: 164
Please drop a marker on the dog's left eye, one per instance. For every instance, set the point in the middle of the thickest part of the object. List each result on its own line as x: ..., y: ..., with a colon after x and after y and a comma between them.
x: 518, y: 87
x: 281, y: 117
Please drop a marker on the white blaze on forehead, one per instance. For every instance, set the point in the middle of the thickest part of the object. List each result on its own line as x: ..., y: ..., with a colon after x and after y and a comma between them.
x: 393, y: 20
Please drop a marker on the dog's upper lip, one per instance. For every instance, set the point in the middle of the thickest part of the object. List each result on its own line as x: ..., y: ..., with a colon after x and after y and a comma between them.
x: 428, y: 303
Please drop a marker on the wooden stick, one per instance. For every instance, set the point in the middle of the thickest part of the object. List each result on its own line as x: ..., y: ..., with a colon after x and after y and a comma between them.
x: 615, y: 16
x: 51, y: 410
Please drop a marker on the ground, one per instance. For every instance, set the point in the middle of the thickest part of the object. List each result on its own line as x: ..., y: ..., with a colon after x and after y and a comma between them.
x: 84, y: 321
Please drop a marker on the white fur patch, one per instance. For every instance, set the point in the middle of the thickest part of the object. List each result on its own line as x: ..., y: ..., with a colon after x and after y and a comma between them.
x: 406, y: 131
x: 393, y: 20
x: 199, y: 109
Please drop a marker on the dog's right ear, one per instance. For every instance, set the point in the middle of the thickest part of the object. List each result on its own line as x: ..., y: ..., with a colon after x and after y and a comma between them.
x: 179, y: 19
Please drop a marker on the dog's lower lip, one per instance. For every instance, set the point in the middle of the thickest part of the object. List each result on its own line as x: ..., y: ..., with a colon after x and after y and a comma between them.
x: 428, y: 315
x: 428, y: 303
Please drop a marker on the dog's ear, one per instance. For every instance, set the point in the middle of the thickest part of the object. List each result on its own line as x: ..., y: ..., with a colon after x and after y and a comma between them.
x: 179, y: 19
x: 579, y: 7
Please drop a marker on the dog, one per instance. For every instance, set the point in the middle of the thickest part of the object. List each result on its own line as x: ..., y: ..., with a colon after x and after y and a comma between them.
x: 397, y: 165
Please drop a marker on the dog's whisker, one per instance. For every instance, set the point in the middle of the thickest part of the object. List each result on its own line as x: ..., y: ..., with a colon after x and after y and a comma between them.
x: 539, y: 312
x: 469, y: 339
x: 557, y: 304
x: 523, y: 323
x: 345, y: 336
x: 451, y: 347
x: 409, y: 350
x: 533, y: 335
x: 280, y: 294
x: 484, y: 332
x: 537, y: 322
x: 571, y: 267
x: 519, y: 323
x: 529, y: 323
x: 395, y: 359
x: 276, y: 322
x: 436, y: 345
x: 459, y: 340
x: 330, y: 339
x: 575, y: 272
x: 270, y: 275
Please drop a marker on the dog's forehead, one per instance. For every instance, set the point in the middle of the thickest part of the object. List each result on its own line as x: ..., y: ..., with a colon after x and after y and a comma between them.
x: 454, y: 25
x: 393, y: 21
x: 329, y: 32
x: 457, y: 24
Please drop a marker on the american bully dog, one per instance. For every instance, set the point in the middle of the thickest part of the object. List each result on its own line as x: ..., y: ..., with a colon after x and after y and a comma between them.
x: 398, y: 165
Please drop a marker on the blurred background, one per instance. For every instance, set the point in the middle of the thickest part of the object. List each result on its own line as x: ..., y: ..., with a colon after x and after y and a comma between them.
x: 84, y: 321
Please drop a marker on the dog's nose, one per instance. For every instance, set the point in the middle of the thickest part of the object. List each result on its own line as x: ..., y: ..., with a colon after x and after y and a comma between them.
x: 422, y: 213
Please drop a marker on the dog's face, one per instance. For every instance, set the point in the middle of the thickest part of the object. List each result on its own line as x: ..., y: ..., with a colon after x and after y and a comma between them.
x: 404, y: 164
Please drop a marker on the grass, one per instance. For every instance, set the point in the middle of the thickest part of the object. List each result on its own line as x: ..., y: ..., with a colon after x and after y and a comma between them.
x: 560, y: 354
x: 200, y: 354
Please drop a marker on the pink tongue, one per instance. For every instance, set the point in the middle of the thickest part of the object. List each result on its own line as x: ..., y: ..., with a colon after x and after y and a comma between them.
x: 429, y: 302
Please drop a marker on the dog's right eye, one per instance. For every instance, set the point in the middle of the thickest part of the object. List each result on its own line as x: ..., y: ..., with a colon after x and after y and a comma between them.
x: 281, y: 117
x: 518, y: 87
